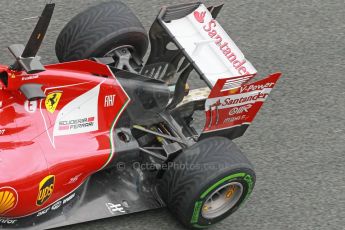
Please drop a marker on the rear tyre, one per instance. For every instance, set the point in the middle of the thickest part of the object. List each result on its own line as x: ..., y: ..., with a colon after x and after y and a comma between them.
x: 208, y: 182
x: 99, y: 31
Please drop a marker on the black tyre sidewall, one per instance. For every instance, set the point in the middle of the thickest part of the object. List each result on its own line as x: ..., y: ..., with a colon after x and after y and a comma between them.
x: 98, y: 30
x: 123, y: 37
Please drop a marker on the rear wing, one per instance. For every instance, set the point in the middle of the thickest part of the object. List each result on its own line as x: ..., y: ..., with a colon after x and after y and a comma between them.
x: 201, y: 44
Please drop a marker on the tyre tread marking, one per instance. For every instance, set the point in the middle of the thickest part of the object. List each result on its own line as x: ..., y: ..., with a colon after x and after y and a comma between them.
x: 221, y: 182
x: 197, y: 207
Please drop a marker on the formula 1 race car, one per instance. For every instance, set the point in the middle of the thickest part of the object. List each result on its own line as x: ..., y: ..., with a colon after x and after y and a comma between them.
x: 105, y: 133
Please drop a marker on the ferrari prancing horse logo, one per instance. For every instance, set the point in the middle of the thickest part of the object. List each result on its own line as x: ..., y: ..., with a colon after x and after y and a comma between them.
x: 52, y: 100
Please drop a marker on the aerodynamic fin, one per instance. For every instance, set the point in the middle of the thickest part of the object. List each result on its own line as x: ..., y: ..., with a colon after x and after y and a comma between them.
x: 26, y: 56
x: 39, y: 32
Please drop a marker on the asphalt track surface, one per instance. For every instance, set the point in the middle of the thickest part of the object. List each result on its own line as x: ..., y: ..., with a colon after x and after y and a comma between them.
x: 297, y: 141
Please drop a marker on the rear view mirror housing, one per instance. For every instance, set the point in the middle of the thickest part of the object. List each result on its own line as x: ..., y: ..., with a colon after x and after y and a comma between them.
x: 32, y: 92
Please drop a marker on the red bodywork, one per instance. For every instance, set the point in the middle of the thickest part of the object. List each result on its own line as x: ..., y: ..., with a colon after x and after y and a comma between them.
x: 48, y: 147
x: 232, y: 103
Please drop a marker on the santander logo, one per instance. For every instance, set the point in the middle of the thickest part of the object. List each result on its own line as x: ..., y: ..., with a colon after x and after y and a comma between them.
x: 200, y: 16
x: 226, y: 47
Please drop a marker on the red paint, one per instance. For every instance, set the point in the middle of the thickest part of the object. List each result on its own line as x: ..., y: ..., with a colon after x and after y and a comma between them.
x: 200, y: 16
x: 27, y: 154
x: 228, y: 107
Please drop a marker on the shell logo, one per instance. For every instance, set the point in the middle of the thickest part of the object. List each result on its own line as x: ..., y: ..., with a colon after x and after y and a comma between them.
x: 8, y: 199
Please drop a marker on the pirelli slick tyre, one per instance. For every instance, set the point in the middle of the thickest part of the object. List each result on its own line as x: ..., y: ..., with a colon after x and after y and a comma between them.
x: 100, y: 30
x: 207, y: 182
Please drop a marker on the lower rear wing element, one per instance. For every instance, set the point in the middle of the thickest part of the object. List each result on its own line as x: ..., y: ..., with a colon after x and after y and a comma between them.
x: 230, y: 108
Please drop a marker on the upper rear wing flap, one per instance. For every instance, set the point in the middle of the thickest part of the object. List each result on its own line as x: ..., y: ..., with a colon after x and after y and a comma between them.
x: 200, y: 39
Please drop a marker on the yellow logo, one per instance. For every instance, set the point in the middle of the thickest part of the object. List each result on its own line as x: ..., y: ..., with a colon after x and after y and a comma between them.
x: 8, y: 199
x: 45, y: 190
x: 52, y: 101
